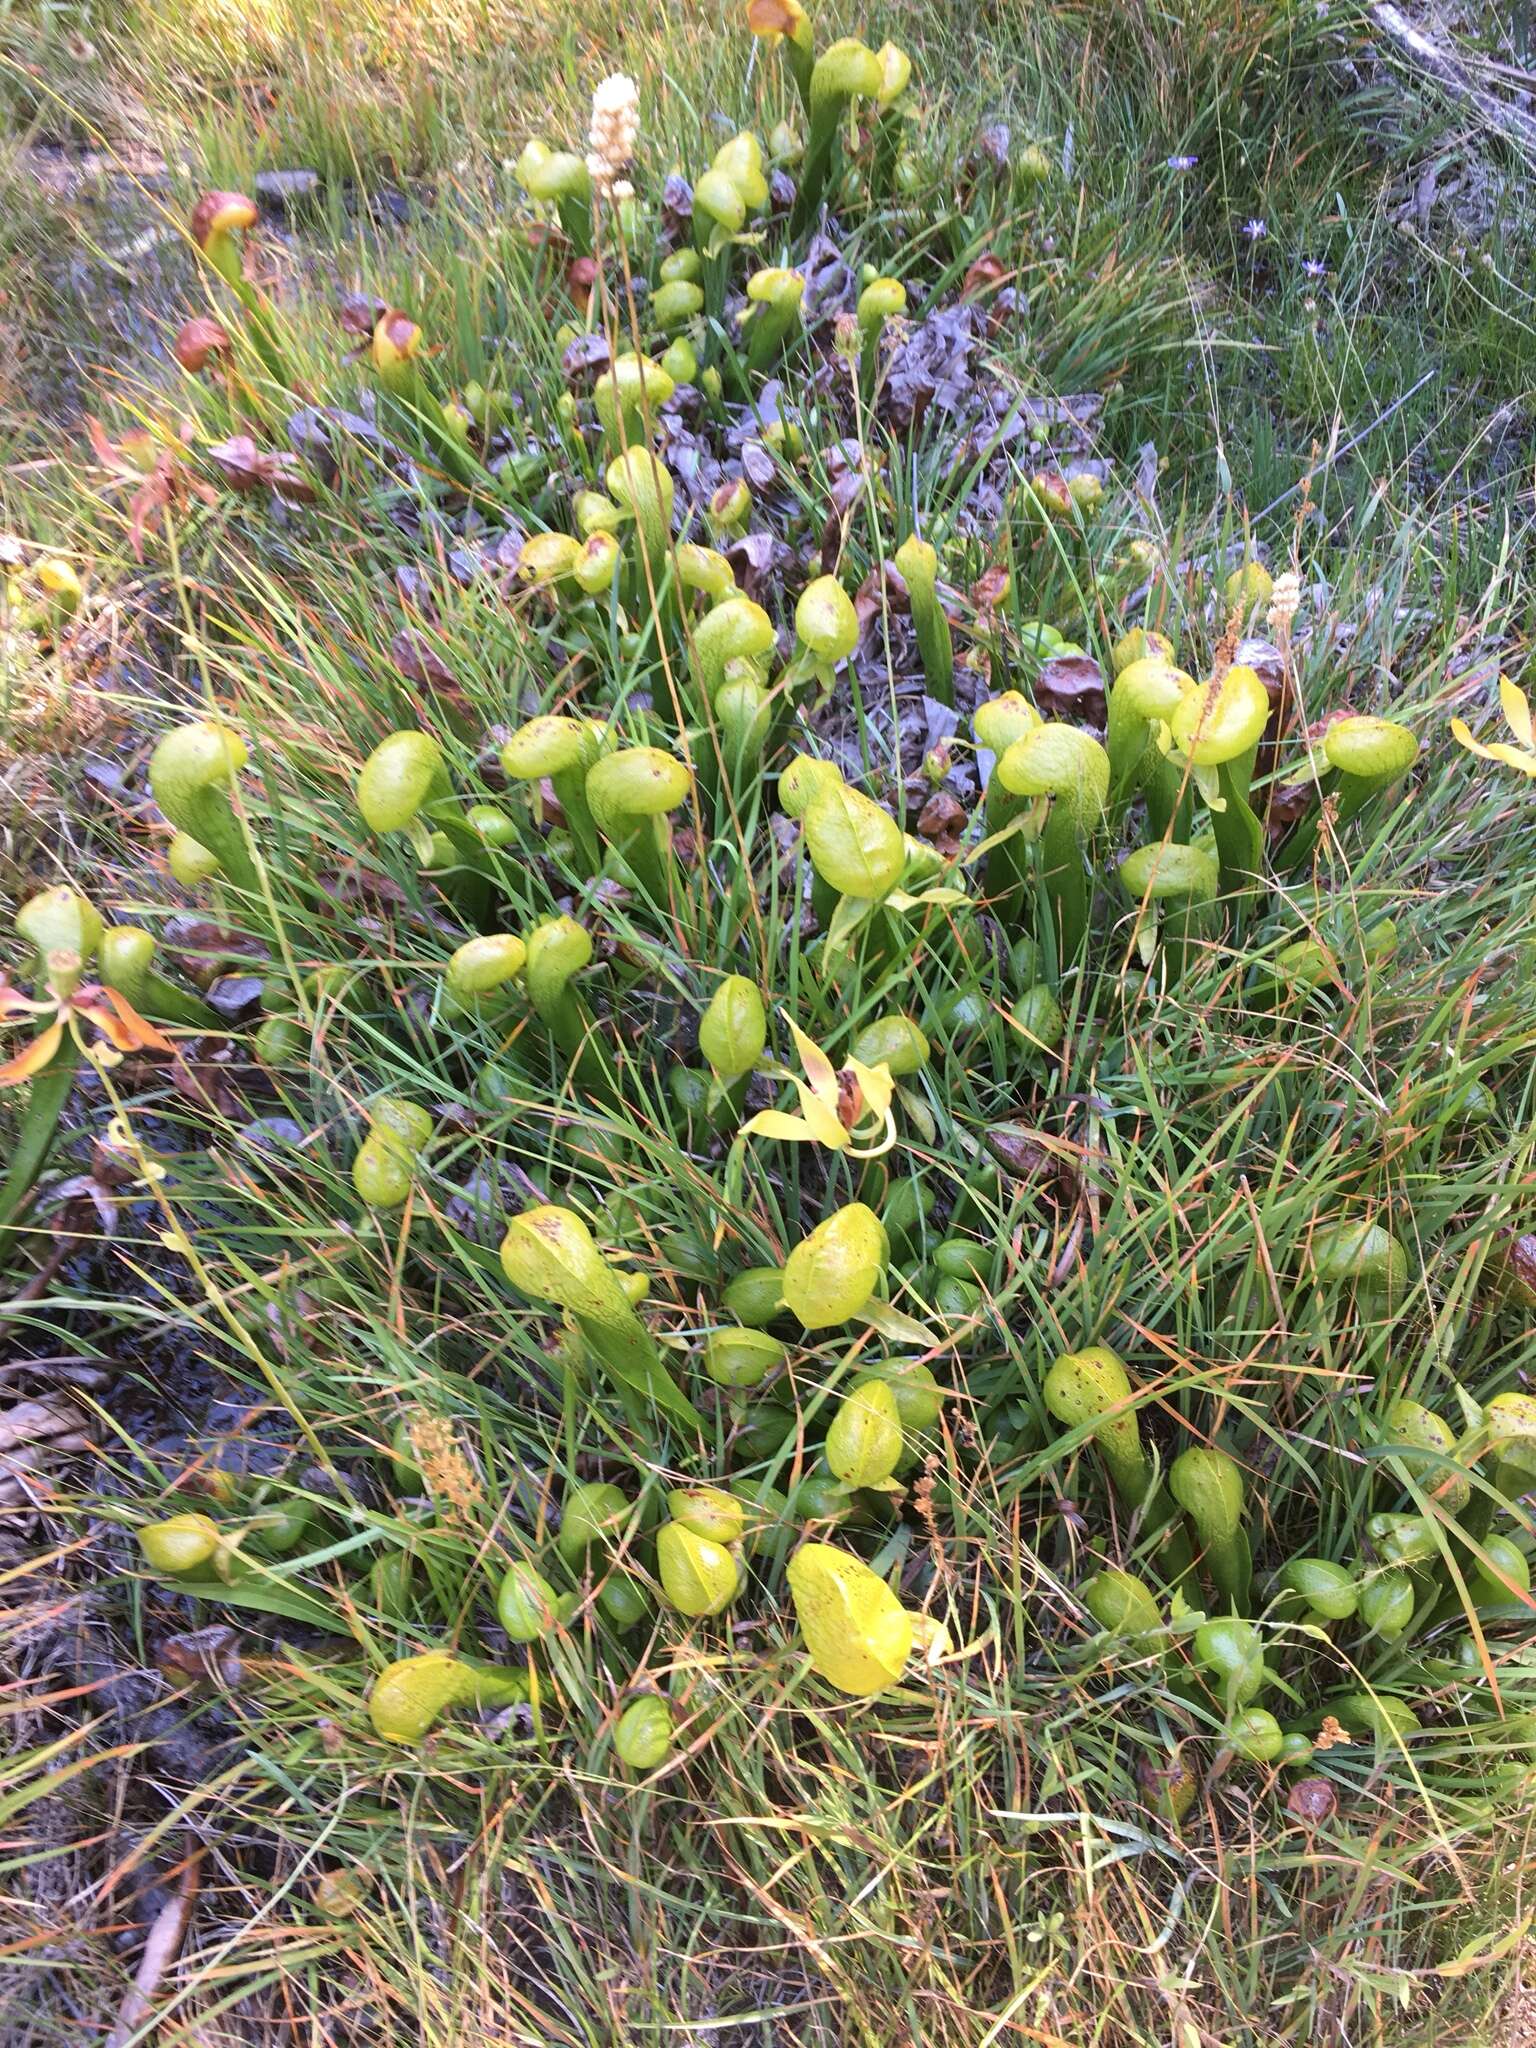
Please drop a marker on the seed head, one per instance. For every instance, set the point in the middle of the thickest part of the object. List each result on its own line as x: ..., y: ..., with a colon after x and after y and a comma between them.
x: 450, y: 1478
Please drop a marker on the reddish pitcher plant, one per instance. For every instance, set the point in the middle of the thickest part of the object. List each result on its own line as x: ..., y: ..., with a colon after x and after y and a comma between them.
x: 155, y: 469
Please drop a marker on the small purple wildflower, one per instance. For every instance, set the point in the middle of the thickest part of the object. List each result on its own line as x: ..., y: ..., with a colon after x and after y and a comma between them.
x: 1182, y: 163
x: 1256, y: 230
x: 1311, y: 267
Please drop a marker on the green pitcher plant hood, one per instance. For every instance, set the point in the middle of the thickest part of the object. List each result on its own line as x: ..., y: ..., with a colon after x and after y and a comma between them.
x: 733, y: 1031
x: 191, y: 775
x: 1217, y: 721
x: 864, y: 1441
x: 699, y: 1576
x: 411, y: 1695
x: 802, y: 780
x: 1091, y: 1388
x: 832, y: 1274
x: 548, y: 1255
x: 855, y: 846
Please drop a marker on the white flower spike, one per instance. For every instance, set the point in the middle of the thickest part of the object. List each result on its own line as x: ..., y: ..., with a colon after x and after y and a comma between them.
x: 614, y: 131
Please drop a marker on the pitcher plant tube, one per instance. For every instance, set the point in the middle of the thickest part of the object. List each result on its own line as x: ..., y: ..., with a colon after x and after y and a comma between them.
x: 631, y: 795
x: 997, y: 723
x: 548, y: 1255
x: 385, y: 1165
x: 1362, y: 1256
x: 219, y: 223
x: 73, y: 1019
x: 559, y: 178
x: 1216, y: 728
x: 628, y: 397
x: 699, y: 1577
x: 1142, y: 700
x: 1364, y: 759
x: 1178, y: 885
x: 1208, y: 1486
x: 1091, y: 1390
x: 771, y: 319
x: 560, y: 751
x: 737, y: 629
x: 918, y: 566
x: 856, y: 848
x: 785, y: 25
x: 126, y: 963
x: 643, y: 1734
x: 191, y: 774
x: 864, y: 1438
x: 641, y: 485
x: 885, y: 298
x: 558, y: 948
x: 826, y: 629
x: 1066, y: 774
x: 894, y: 111
x: 395, y: 351
x: 1122, y: 1604
x: 410, y: 1696
x: 401, y: 781
x: 845, y: 71
x: 733, y: 1033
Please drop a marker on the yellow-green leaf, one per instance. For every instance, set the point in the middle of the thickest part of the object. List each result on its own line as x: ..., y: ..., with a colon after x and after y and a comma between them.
x: 857, y: 1632
x: 1481, y: 1950
x: 830, y: 1275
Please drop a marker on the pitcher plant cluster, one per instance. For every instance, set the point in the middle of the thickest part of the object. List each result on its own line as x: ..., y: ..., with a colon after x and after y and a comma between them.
x: 694, y: 754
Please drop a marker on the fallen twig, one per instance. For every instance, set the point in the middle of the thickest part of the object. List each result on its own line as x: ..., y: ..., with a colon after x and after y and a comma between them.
x: 161, y: 1948
x: 1448, y: 70
x: 37, y: 1286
